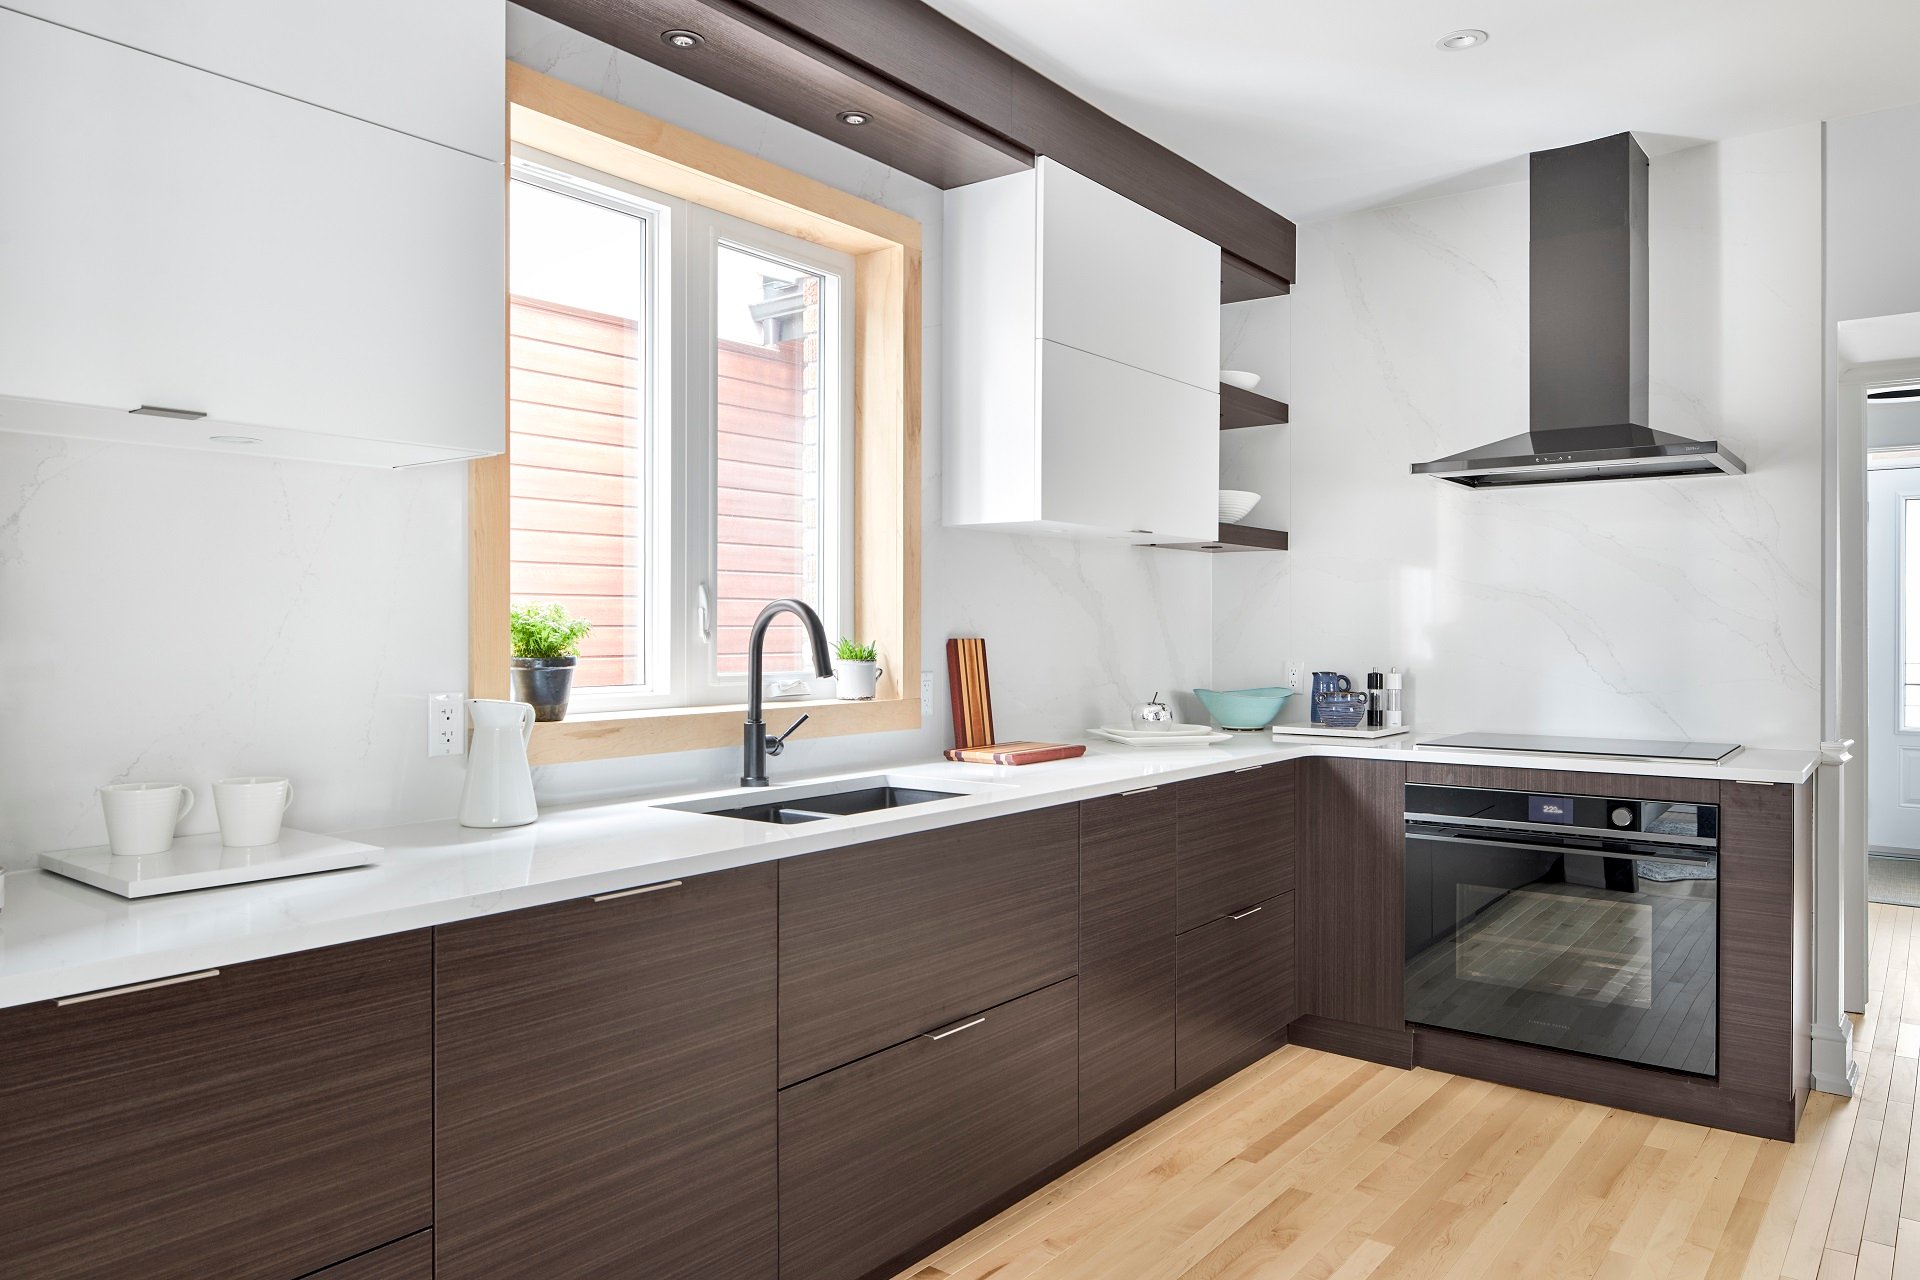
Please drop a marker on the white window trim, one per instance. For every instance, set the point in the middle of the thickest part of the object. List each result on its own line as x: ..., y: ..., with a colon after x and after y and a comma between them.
x: 680, y: 622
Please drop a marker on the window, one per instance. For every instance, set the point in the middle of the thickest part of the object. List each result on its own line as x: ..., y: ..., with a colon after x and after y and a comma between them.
x: 715, y: 400
x: 681, y: 429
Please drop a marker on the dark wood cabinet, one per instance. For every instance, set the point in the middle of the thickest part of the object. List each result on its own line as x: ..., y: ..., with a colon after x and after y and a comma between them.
x: 262, y: 1121
x: 1352, y: 891
x: 883, y: 941
x: 1126, y: 956
x: 1236, y: 984
x: 605, y: 1086
x: 880, y: 1157
x: 1236, y: 841
x: 408, y: 1259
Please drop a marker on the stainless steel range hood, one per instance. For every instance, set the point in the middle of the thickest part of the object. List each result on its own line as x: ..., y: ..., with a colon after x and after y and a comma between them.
x: 1588, y: 336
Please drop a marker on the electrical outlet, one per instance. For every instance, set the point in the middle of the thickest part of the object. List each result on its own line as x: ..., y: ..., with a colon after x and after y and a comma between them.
x: 446, y: 724
x: 926, y: 693
x: 1293, y: 676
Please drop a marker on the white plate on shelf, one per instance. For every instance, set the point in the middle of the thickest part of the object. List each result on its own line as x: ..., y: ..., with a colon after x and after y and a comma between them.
x: 1171, y: 731
x: 1162, y: 739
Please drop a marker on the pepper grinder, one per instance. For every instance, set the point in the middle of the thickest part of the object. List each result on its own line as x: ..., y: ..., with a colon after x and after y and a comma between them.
x: 1391, y: 710
x: 1376, y: 684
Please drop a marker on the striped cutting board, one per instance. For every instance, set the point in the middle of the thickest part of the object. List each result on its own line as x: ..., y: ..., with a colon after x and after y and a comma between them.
x: 973, y: 714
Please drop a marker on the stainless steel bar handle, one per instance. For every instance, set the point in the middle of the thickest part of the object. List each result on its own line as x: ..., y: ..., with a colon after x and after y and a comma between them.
x: 1662, y: 856
x: 645, y: 888
x: 1249, y: 911
x: 157, y: 983
x: 1249, y: 769
x: 1555, y: 828
x: 953, y: 1030
x: 1139, y: 791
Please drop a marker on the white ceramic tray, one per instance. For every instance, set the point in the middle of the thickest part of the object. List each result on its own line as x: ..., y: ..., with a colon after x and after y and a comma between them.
x: 202, y: 862
x: 1328, y: 731
x: 1147, y: 735
x: 1162, y: 739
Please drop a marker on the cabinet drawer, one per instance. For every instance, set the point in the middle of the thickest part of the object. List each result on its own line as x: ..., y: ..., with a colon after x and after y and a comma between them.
x: 1236, y: 841
x: 879, y: 1156
x: 257, y: 1124
x: 883, y: 941
x: 605, y: 1086
x: 1236, y: 986
x: 409, y: 1259
x: 1126, y: 956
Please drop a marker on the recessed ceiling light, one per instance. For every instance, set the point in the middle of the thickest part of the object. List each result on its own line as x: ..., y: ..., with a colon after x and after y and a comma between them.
x: 234, y: 439
x: 854, y: 117
x: 1465, y: 38
x: 681, y: 39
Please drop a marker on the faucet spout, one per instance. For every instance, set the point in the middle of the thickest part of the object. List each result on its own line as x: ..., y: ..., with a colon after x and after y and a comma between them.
x: 753, y: 766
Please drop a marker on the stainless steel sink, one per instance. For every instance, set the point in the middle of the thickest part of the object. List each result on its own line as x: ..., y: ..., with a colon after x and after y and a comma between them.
x: 839, y: 805
x: 842, y: 798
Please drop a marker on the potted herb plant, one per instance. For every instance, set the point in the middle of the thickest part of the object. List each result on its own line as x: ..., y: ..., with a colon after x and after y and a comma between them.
x: 856, y: 671
x: 546, y: 645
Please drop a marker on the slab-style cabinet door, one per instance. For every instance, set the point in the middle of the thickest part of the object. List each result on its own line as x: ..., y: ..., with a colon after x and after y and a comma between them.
x: 883, y: 941
x: 408, y: 1259
x: 880, y: 1156
x: 323, y: 287
x: 1236, y: 987
x: 1352, y: 891
x: 1126, y: 957
x: 1236, y: 841
x: 257, y: 1122
x: 604, y: 1086
x: 431, y: 68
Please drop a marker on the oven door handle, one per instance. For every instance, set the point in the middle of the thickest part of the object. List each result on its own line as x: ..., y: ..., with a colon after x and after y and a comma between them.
x: 1707, y: 860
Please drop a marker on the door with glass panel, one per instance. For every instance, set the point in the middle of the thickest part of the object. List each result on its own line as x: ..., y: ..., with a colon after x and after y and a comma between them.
x: 1893, y: 659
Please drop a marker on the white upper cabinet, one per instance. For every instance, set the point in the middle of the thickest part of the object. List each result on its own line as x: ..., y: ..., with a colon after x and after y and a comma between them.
x: 323, y: 287
x: 1081, y: 363
x: 432, y: 68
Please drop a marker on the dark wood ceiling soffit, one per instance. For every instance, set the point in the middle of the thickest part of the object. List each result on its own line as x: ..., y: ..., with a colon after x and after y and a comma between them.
x: 972, y: 111
x: 747, y: 56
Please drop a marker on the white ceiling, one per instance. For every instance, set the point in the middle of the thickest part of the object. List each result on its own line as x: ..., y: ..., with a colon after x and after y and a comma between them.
x: 1320, y: 108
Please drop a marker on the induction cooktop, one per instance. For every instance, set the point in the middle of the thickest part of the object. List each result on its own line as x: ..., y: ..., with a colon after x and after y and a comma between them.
x: 1639, y: 748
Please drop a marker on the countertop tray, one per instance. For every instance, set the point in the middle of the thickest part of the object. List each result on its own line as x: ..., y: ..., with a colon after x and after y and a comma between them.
x: 1328, y: 731
x: 202, y: 862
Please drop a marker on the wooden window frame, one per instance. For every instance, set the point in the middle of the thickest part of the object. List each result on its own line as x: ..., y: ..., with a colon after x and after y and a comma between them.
x: 568, y: 122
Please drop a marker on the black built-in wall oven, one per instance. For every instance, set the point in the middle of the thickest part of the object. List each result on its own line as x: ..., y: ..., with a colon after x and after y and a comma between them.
x: 1581, y: 923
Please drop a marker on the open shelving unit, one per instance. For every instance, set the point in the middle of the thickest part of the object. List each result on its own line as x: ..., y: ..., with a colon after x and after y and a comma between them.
x: 1248, y: 409
x: 1233, y: 537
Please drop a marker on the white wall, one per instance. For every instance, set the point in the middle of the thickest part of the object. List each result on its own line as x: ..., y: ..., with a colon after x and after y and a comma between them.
x: 185, y: 616
x: 1663, y: 608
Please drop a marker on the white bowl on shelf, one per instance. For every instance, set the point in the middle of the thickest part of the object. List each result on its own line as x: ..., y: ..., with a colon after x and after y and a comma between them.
x: 1235, y: 504
x: 1240, y: 378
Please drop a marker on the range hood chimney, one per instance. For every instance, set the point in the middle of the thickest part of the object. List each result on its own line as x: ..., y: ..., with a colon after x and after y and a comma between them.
x: 1588, y: 336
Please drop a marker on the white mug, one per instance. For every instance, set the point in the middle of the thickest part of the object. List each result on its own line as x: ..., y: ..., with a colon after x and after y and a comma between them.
x: 250, y: 809
x: 141, y: 816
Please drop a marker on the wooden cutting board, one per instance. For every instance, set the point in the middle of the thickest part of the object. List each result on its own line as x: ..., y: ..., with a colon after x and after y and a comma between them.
x: 973, y: 714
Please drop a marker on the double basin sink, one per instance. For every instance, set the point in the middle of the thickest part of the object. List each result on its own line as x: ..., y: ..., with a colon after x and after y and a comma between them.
x: 843, y: 798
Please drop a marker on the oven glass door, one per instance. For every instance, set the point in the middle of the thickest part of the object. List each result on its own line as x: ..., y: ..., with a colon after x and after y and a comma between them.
x: 1613, y: 955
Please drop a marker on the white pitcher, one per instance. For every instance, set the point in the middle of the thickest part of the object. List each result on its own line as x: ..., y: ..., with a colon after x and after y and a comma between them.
x: 499, y: 781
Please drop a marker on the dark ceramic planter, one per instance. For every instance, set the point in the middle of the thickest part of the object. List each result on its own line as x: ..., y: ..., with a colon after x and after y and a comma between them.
x: 545, y: 684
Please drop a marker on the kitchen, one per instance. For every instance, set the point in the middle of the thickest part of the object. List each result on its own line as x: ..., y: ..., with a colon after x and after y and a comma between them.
x: 289, y: 617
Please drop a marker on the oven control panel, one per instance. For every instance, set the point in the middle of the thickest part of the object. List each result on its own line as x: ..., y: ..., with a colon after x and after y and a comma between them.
x: 1572, y: 815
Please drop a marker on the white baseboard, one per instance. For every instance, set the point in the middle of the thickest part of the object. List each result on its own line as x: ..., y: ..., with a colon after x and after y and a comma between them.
x: 1834, y: 1070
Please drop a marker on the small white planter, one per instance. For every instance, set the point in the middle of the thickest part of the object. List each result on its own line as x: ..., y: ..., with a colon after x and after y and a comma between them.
x: 856, y: 681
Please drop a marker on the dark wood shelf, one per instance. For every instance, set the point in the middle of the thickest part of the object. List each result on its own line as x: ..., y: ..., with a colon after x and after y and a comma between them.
x: 1246, y: 409
x: 1233, y: 537
x: 1242, y: 281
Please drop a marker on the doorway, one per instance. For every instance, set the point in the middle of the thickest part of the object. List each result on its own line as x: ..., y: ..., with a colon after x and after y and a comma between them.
x: 1892, y: 430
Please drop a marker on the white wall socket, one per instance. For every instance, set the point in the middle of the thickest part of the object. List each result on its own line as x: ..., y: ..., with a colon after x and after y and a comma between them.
x: 446, y: 724
x: 926, y: 693
x: 1293, y: 676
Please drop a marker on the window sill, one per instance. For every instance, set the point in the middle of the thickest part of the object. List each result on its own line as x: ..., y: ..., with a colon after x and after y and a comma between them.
x: 609, y: 735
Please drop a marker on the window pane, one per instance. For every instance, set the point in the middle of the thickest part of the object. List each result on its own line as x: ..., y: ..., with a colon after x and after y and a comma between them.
x: 578, y: 420
x: 771, y: 470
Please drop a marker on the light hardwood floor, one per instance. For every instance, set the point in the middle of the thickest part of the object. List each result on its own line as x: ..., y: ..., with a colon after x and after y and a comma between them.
x: 1307, y: 1164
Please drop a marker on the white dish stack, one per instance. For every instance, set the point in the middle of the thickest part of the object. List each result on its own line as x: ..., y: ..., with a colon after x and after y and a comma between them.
x: 1172, y: 735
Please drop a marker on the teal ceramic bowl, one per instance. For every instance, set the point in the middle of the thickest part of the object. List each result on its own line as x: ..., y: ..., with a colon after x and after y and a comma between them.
x: 1244, y: 708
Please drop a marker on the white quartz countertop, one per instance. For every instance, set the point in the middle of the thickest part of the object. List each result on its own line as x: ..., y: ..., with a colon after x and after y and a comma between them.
x: 60, y: 938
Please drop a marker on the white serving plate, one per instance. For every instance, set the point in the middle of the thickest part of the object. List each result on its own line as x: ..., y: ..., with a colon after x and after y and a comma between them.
x: 202, y: 862
x: 1130, y: 739
x: 1171, y: 731
x: 1328, y: 731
